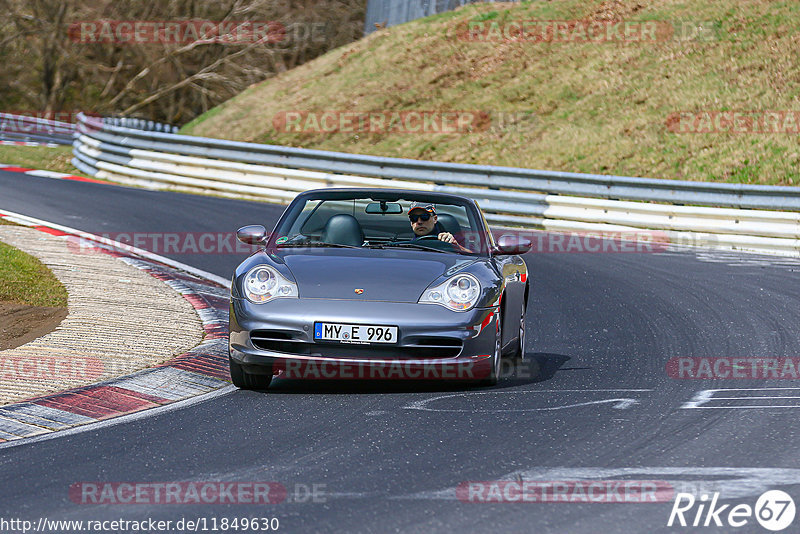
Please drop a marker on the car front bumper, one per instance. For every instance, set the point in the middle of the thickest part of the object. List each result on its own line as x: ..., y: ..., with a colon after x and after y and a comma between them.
x: 433, y: 342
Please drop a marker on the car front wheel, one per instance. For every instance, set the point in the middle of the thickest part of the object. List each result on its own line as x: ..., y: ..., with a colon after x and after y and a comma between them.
x: 520, y: 353
x: 497, y: 358
x: 244, y: 380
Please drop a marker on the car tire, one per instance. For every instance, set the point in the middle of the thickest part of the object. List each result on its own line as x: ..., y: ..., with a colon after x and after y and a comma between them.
x: 244, y: 380
x: 497, y: 359
x: 519, y: 354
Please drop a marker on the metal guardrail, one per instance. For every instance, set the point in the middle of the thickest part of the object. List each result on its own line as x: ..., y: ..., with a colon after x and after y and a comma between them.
x: 39, y: 130
x: 563, y: 183
x: 510, y: 196
x: 35, y: 129
x: 140, y: 124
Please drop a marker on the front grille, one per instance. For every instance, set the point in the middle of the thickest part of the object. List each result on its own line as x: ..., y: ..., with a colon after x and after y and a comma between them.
x: 275, y: 340
x: 416, y: 348
x: 436, y: 347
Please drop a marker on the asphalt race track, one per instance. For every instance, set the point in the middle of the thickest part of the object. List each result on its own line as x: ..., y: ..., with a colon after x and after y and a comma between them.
x: 389, y: 457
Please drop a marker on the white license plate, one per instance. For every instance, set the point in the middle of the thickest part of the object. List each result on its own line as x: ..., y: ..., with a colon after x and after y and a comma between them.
x: 355, y: 333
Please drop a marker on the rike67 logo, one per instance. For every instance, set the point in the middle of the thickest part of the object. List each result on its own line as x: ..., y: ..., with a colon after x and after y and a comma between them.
x: 774, y: 510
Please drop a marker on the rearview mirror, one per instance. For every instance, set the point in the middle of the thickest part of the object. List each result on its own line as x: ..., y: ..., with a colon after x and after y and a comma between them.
x: 510, y: 244
x: 255, y: 234
x: 384, y: 208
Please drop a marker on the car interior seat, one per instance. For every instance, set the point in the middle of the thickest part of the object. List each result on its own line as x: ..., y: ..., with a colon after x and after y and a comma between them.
x: 343, y: 229
x: 450, y: 224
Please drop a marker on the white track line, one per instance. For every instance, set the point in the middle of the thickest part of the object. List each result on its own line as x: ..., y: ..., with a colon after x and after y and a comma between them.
x: 122, y: 418
x: 127, y: 248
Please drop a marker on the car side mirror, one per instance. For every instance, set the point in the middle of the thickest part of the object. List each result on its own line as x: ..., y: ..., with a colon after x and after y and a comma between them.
x: 255, y: 234
x: 509, y: 244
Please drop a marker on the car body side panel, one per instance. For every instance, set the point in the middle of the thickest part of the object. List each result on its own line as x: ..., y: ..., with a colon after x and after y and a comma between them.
x: 514, y: 273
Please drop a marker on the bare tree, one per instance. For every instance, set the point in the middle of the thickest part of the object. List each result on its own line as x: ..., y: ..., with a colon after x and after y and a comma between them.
x: 55, y: 66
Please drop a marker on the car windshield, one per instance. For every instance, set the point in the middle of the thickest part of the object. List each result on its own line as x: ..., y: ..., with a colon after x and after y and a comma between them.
x: 378, y: 223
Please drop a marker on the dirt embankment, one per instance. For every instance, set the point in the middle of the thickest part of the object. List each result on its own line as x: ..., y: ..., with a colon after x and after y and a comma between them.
x: 20, y: 324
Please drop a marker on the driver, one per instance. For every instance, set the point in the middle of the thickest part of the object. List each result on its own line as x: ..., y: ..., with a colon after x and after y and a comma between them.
x: 424, y: 222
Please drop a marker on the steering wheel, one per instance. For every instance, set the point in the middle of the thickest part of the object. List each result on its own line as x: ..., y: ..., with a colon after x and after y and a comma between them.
x: 442, y: 245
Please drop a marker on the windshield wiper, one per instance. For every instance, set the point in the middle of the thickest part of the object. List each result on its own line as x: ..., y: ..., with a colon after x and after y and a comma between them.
x: 408, y: 245
x: 314, y: 244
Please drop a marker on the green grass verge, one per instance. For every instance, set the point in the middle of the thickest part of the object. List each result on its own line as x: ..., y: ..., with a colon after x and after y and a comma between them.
x: 39, y: 157
x: 25, y: 280
x: 566, y: 106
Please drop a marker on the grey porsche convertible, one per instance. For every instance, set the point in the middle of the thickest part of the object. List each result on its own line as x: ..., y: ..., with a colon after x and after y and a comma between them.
x: 377, y: 284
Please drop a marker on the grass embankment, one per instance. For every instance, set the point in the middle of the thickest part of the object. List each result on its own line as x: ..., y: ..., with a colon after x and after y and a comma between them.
x: 570, y: 106
x: 25, y: 280
x: 39, y: 157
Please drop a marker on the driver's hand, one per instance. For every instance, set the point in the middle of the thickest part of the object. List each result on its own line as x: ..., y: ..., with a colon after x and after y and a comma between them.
x: 447, y: 237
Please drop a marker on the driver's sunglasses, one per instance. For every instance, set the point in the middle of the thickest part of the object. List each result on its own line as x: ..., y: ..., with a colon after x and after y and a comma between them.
x: 416, y: 217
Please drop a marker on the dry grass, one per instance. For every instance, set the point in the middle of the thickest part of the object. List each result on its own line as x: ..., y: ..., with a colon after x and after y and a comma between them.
x: 598, y: 108
x: 39, y: 157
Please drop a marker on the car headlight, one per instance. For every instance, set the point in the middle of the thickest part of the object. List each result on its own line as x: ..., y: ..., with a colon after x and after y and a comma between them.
x: 459, y: 293
x: 264, y: 283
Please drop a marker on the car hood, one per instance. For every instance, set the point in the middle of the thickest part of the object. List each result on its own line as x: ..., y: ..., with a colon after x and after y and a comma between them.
x: 384, y: 275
